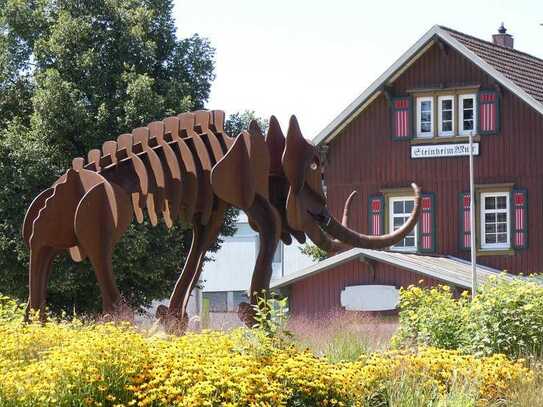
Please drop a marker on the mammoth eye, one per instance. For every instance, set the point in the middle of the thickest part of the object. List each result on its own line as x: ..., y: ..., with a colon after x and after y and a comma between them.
x: 313, y: 166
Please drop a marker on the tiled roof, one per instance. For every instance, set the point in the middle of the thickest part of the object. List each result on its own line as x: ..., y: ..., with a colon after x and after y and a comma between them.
x: 525, y: 70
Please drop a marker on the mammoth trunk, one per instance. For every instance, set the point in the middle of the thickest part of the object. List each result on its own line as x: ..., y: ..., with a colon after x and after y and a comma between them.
x: 347, y: 236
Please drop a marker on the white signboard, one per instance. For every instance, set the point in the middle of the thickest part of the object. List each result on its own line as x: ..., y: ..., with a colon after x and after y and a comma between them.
x: 443, y: 150
x: 370, y: 298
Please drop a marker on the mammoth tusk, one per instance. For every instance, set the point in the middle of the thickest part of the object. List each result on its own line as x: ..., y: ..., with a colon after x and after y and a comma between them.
x: 322, y: 240
x: 347, y: 209
x: 348, y: 236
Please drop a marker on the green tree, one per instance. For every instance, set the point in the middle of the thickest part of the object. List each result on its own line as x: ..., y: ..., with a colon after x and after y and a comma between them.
x: 72, y: 75
x: 239, y: 121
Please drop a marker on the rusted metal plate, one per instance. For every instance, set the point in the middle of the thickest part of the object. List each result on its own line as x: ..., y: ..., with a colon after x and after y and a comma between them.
x: 155, y: 198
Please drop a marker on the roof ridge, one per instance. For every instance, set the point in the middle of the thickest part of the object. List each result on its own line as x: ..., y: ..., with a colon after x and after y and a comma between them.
x: 512, y: 50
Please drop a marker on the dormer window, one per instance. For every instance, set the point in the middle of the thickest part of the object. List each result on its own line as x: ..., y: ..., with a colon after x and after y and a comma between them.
x: 446, y: 116
x: 425, y: 115
x: 442, y: 114
x: 467, y: 114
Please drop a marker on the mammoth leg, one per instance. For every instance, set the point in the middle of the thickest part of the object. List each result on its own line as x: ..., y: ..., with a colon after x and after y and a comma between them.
x: 174, y: 317
x: 268, y: 223
x: 203, y: 236
x: 41, y: 259
x: 45, y: 274
x: 101, y: 262
x: 95, y: 229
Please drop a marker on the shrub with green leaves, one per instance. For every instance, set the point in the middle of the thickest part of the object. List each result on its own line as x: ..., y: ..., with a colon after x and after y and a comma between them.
x: 432, y: 317
x: 10, y: 310
x: 507, y: 317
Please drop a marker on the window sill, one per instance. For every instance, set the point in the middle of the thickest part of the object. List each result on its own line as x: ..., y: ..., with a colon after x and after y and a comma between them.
x: 495, y: 252
x: 443, y: 139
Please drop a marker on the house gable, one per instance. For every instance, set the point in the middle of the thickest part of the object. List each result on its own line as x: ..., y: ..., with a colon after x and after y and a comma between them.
x: 521, y: 76
x: 366, y: 158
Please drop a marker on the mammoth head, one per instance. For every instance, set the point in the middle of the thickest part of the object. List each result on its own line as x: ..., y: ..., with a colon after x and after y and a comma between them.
x: 306, y: 208
x: 301, y: 166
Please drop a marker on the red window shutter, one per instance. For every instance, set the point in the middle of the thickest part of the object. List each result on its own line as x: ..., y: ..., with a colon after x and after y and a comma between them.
x: 488, y: 112
x: 376, y: 219
x: 402, y: 126
x: 465, y: 225
x: 519, y: 224
x: 426, y: 224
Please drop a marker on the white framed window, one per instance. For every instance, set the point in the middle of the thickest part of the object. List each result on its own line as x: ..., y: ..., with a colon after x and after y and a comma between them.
x: 467, y: 113
x: 446, y: 115
x: 495, y: 220
x: 425, y: 116
x: 400, y: 209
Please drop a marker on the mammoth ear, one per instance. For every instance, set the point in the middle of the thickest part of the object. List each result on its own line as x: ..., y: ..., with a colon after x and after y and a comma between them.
x: 276, y: 144
x: 242, y: 172
x: 296, y: 156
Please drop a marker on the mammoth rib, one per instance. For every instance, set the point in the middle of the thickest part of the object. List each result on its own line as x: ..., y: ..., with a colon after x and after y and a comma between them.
x: 202, y: 161
x: 172, y: 181
x: 346, y: 235
x: 187, y: 166
x: 155, y: 199
x: 125, y: 144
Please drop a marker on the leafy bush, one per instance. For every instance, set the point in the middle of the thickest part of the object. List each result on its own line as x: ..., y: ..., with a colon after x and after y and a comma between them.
x: 68, y: 364
x: 432, y: 317
x: 10, y: 310
x: 506, y: 317
x: 271, y: 315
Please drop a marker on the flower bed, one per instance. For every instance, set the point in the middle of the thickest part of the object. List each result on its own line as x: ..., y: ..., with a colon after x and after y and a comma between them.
x: 72, y: 364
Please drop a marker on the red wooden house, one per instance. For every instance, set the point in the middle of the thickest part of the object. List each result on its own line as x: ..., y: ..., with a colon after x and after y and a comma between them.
x: 412, y: 124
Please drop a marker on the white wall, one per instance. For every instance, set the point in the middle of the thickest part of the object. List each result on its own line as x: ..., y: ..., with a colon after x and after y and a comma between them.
x: 234, y: 262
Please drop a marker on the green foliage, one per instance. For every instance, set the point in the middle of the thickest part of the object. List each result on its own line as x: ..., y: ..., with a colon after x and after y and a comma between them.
x: 345, y: 347
x: 432, y: 317
x: 408, y: 390
x: 505, y: 317
x: 239, y: 121
x: 313, y: 251
x: 10, y: 310
x: 271, y: 316
x: 72, y: 75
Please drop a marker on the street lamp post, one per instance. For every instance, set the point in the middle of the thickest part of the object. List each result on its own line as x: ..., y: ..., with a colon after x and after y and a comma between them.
x: 472, y: 219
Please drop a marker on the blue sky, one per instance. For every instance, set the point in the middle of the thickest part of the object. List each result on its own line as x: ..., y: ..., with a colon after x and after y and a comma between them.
x: 312, y: 58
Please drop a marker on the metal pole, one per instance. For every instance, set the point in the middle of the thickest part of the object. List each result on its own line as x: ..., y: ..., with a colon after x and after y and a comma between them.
x: 282, y: 259
x: 472, y: 219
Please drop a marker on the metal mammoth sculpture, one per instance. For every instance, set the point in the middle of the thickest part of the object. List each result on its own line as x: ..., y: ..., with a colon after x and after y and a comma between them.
x: 186, y: 168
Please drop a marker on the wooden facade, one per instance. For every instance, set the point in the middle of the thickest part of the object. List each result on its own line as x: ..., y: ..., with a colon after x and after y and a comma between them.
x: 366, y: 156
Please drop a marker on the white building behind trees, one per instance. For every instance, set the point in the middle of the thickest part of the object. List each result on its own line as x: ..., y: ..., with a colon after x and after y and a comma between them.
x: 226, y: 279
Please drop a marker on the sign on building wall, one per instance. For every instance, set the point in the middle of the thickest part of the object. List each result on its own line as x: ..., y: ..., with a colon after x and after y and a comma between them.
x: 443, y: 150
x: 370, y: 298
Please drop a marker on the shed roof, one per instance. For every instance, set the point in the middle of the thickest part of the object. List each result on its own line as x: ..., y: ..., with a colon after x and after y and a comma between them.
x: 448, y: 269
x: 517, y: 71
